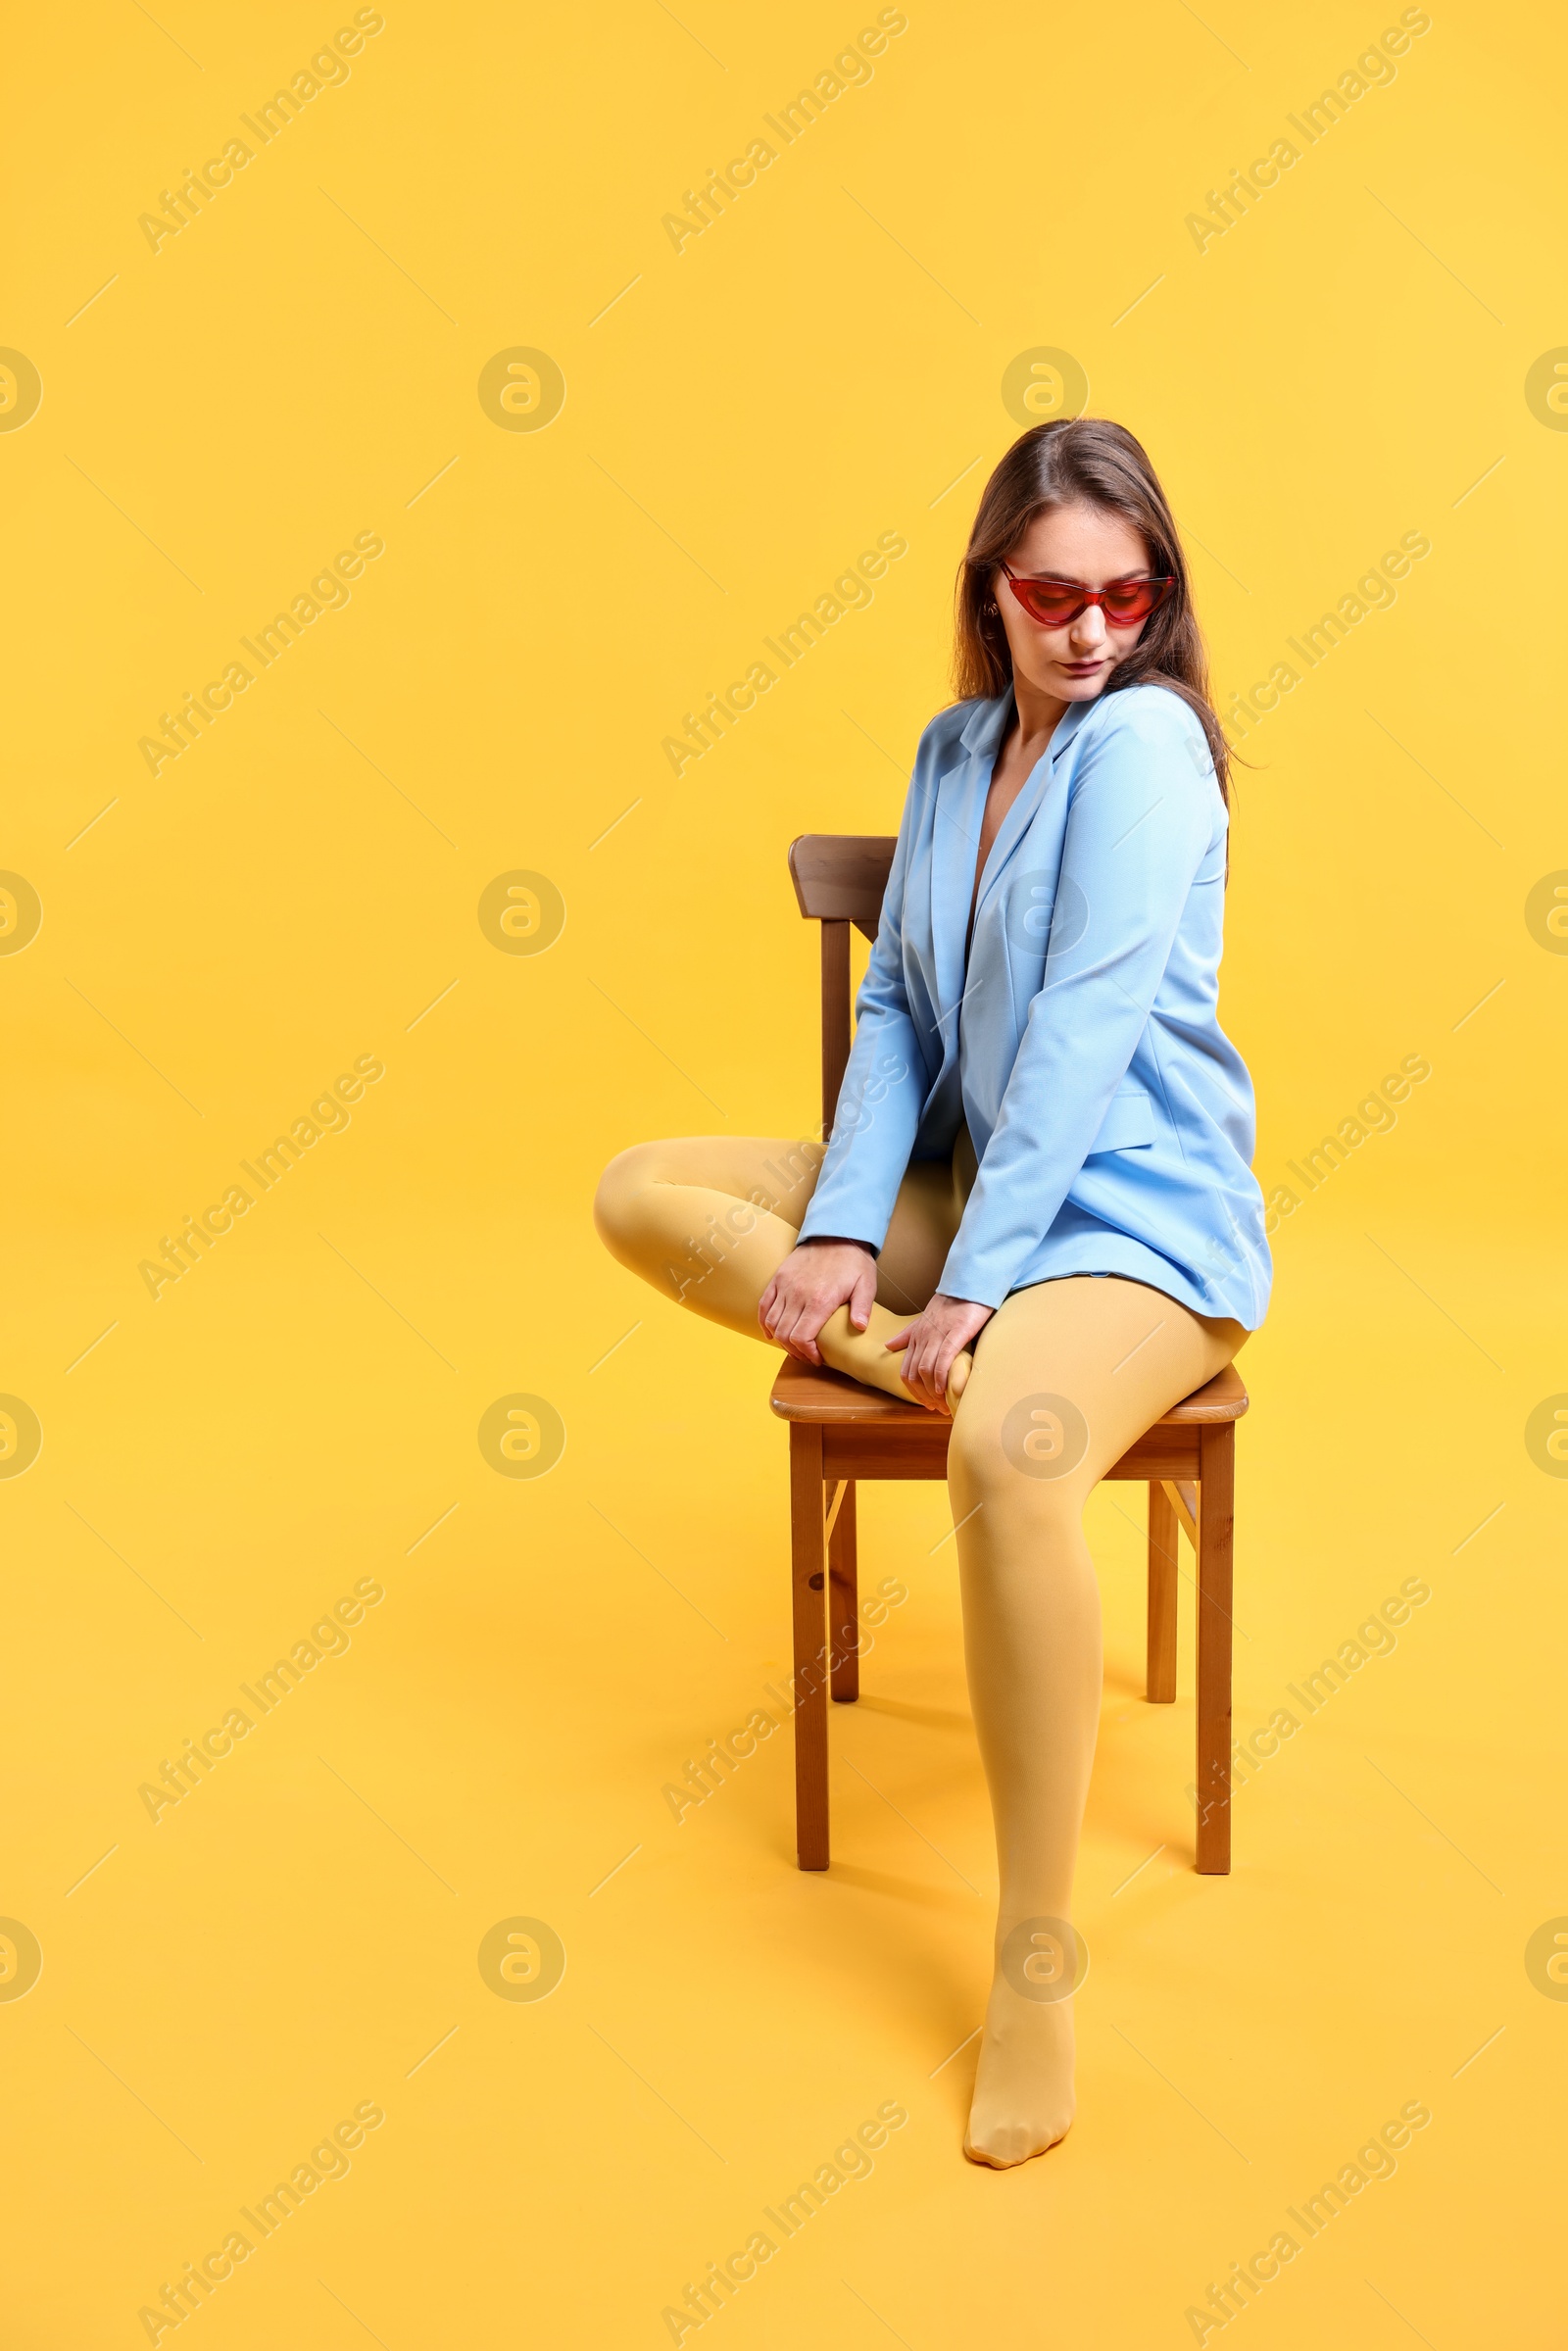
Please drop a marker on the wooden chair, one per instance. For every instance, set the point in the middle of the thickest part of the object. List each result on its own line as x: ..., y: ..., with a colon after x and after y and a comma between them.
x: 841, y: 1433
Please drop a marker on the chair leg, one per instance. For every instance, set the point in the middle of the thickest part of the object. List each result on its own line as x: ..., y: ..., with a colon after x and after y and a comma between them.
x: 844, y: 1600
x: 1161, y: 1684
x: 1215, y: 1530
x: 809, y: 1578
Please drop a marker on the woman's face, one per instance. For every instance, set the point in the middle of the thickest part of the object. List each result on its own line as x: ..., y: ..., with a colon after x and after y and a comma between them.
x: 1091, y: 548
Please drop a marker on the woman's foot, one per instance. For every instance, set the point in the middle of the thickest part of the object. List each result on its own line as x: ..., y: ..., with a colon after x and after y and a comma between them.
x: 867, y: 1356
x: 1023, y: 2089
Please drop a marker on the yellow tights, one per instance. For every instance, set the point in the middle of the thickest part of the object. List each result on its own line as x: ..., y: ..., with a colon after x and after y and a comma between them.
x: 1065, y: 1376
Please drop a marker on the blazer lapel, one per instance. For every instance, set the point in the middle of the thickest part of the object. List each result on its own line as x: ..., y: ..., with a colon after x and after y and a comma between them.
x: 960, y: 801
x: 1024, y: 809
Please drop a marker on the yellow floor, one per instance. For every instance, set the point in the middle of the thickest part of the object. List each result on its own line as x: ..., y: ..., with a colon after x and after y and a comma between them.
x: 423, y: 1941
x: 299, y: 1937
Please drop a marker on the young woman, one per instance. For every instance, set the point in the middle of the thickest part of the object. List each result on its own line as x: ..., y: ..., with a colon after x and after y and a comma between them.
x: 1037, y: 1212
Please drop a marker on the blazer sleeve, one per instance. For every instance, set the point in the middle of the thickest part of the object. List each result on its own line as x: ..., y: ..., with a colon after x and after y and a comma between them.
x: 880, y: 1101
x: 1145, y: 811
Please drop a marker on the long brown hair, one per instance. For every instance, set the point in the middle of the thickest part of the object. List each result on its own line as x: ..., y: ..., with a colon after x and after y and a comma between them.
x: 1084, y: 458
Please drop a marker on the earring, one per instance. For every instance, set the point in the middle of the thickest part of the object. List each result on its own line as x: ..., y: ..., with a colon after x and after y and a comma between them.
x: 990, y: 609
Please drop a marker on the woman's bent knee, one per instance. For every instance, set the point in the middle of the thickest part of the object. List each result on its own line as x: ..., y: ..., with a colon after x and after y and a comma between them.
x: 621, y: 1203
x: 999, y: 1459
x: 979, y: 1470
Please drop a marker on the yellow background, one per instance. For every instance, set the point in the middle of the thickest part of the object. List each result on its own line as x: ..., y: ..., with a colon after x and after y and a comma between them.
x: 219, y: 418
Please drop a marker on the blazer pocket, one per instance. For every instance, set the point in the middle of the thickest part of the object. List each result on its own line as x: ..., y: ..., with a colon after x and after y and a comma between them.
x: 1128, y: 1124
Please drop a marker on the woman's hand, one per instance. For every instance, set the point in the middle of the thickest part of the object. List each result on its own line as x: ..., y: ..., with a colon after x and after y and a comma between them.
x: 932, y: 1344
x: 816, y: 1279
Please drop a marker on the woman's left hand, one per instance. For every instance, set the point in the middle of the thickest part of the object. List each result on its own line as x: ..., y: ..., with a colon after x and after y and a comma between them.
x: 932, y: 1344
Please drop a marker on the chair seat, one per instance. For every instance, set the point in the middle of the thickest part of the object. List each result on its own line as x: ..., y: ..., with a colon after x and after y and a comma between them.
x: 831, y: 1399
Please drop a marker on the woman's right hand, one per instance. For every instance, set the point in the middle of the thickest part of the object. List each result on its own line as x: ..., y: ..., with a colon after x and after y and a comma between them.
x: 816, y: 1279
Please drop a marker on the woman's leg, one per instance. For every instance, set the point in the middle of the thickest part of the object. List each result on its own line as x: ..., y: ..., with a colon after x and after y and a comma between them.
x: 708, y: 1221
x: 1066, y: 1376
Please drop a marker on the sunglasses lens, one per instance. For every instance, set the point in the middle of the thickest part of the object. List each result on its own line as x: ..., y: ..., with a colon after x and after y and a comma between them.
x: 1126, y: 605
x: 1048, y: 600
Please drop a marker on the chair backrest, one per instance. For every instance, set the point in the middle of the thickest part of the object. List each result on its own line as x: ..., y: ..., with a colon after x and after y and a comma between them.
x: 839, y: 879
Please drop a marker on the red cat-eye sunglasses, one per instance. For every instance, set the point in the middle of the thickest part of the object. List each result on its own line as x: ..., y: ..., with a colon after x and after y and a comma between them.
x: 1054, y: 603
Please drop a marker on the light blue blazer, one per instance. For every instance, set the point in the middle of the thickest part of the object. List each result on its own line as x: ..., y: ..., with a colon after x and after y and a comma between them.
x: 1111, y: 1116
